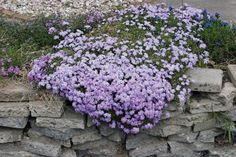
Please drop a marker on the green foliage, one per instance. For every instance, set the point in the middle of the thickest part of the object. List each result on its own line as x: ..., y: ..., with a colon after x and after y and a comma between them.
x: 220, y: 39
x: 24, y: 42
x: 226, y: 123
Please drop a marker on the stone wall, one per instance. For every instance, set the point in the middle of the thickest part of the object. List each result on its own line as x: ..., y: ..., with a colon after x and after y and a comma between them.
x: 37, y: 123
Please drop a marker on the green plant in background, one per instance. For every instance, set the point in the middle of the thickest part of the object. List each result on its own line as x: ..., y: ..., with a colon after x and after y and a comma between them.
x: 21, y: 43
x: 220, y: 38
x: 224, y: 121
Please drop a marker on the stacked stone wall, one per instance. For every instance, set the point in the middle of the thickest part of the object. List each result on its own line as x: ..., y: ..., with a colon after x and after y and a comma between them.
x: 35, y: 123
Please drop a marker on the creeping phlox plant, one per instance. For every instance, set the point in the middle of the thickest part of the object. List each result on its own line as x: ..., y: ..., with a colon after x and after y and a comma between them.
x: 126, y: 68
x: 6, y: 67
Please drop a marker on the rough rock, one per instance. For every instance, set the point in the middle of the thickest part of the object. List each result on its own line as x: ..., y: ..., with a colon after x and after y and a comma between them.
x: 206, y: 80
x: 149, y: 149
x: 14, y: 109
x: 15, y: 92
x: 181, y: 150
x: 87, y: 135
x: 34, y: 134
x: 46, y: 108
x: 105, y: 130
x: 188, y: 137
x: 214, y: 102
x: 60, y: 134
x: 231, y: 69
x: 13, y: 150
x: 41, y: 146
x: 224, y: 151
x: 70, y: 119
x: 232, y: 114
x: 165, y: 130
x: 206, y: 125
x: 118, y: 136
x: 99, y: 148
x: 68, y: 153
x: 89, y: 122
x: 13, y: 122
x: 188, y: 119
x: 208, y: 136
x: 10, y: 135
x: 133, y: 141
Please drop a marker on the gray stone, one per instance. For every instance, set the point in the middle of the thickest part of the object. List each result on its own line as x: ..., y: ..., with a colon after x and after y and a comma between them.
x: 188, y: 119
x: 173, y: 110
x: 99, y: 148
x: 118, y: 136
x: 139, y: 140
x: 188, y: 137
x: 231, y: 69
x: 208, y: 136
x: 35, y: 134
x: 15, y: 92
x: 207, y: 105
x: 214, y: 102
x: 42, y: 146
x: 89, y: 122
x: 59, y: 134
x: 181, y: 150
x: 46, y: 108
x: 20, y: 153
x: 207, y: 125
x: 200, y: 146
x: 206, y: 80
x: 105, y: 130
x: 55, y: 133
x: 10, y: 135
x: 165, y: 130
x: 87, y: 135
x: 149, y: 149
x: 14, y: 150
x: 13, y: 122
x: 14, y: 109
x: 232, y: 114
x: 223, y: 151
x: 68, y: 153
x: 70, y: 119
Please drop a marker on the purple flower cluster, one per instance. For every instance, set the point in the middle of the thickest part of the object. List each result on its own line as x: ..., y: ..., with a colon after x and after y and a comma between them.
x: 122, y: 82
x: 6, y: 70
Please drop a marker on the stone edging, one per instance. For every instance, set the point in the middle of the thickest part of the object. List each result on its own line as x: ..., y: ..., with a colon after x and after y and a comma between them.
x: 38, y: 124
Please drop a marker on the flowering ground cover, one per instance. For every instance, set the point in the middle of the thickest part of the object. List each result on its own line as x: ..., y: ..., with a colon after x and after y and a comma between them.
x: 126, y: 67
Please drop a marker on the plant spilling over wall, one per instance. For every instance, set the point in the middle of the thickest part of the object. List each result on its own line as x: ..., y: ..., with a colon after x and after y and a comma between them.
x: 126, y: 68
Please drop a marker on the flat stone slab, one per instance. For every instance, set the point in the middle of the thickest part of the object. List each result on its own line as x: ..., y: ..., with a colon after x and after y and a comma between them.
x: 10, y: 135
x: 46, y: 108
x: 231, y: 69
x: 15, y: 150
x: 165, y: 130
x: 14, y: 109
x: 103, y: 148
x: 41, y: 146
x: 207, y: 125
x: 83, y: 136
x: 35, y: 134
x: 216, y: 102
x: 15, y: 92
x: 70, y: 119
x: 68, y: 153
x: 206, y: 80
x: 13, y: 122
x: 223, y: 151
x: 154, y: 147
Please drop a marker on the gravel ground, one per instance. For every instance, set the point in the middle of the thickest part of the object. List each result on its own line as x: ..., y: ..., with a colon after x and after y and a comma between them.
x: 62, y: 7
